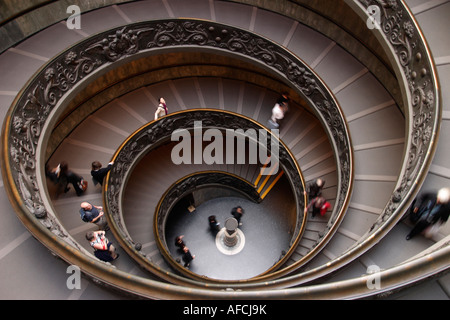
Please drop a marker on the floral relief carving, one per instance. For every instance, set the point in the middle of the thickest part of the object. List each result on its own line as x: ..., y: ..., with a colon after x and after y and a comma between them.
x: 121, y: 43
x: 72, y: 66
x: 173, y: 33
x: 401, y: 33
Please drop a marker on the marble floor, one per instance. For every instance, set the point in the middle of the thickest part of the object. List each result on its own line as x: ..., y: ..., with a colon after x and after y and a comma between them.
x: 264, y: 230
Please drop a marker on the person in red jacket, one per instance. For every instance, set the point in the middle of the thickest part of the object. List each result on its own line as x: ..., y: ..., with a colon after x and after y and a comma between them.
x: 319, y: 206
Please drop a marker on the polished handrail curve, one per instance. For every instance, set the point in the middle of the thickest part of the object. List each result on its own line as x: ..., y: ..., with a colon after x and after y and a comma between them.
x: 36, y: 108
x: 414, y: 65
x: 399, y: 32
x: 159, y: 132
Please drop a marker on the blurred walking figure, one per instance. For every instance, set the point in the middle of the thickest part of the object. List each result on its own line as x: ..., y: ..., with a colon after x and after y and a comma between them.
x: 179, y: 242
x: 62, y: 176
x: 429, y: 213
x: 319, y: 206
x: 278, y: 112
x: 315, y: 188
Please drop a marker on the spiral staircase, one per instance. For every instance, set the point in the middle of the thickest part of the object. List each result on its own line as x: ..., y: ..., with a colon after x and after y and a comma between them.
x: 372, y: 88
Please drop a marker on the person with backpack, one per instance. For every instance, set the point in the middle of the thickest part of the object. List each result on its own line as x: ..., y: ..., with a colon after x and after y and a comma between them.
x: 93, y: 214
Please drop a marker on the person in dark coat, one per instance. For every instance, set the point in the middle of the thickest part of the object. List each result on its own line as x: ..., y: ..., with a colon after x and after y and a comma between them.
x: 62, y: 177
x: 67, y: 177
x: 187, y: 257
x: 98, y: 173
x: 430, y: 209
x: 213, y: 223
x: 237, y: 213
x: 315, y: 188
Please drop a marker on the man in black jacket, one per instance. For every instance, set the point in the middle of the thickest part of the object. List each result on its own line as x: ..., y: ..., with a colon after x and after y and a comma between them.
x: 237, y: 213
x: 98, y: 173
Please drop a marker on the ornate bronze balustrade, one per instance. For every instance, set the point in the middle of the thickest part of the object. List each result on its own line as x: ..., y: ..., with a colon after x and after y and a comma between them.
x: 159, y: 132
x: 33, y: 112
x: 36, y: 109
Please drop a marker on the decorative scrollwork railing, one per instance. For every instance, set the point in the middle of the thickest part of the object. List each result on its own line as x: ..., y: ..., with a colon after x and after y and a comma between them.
x: 36, y: 109
x: 400, y: 34
x: 159, y: 132
x: 414, y: 65
x: 412, y: 61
